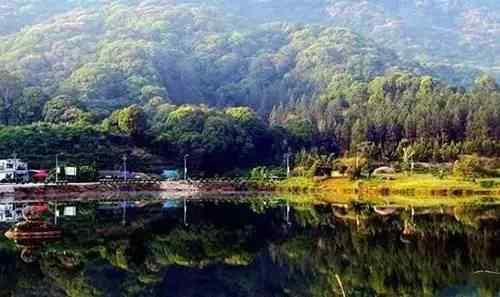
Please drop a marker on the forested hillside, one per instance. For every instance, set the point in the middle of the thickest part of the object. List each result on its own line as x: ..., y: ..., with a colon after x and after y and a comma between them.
x: 125, y: 54
x: 17, y: 14
x: 158, y: 79
x: 448, y: 35
x: 394, y: 112
x: 456, y: 39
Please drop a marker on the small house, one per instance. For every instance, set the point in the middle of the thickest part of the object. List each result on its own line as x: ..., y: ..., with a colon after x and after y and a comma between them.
x: 13, y: 169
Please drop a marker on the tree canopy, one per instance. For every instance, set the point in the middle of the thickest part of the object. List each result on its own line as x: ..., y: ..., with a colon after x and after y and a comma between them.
x: 170, y: 78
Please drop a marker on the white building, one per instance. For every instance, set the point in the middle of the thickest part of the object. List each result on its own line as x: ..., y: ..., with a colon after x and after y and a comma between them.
x: 13, y: 169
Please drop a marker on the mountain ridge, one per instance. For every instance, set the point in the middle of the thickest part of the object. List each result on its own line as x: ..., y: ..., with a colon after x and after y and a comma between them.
x: 109, y: 55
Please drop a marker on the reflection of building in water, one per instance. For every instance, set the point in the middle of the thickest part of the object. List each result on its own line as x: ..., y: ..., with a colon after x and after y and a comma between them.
x: 15, y: 212
x: 63, y: 209
x: 69, y: 211
x: 9, y: 213
x: 172, y: 204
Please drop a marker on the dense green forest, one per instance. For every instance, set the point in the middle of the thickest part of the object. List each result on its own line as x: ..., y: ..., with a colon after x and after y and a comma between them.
x: 455, y: 38
x: 160, y: 79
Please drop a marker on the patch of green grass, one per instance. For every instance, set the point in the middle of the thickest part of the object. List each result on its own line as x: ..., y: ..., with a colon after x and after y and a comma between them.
x: 418, y: 181
x: 422, y: 182
x: 398, y: 189
x: 297, y: 183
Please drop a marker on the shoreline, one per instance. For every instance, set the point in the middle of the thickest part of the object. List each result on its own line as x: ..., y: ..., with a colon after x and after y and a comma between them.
x: 300, y: 190
x: 27, y: 191
x: 402, y: 185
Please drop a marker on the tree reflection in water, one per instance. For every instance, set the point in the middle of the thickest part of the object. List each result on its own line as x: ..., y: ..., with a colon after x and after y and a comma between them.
x: 261, y: 248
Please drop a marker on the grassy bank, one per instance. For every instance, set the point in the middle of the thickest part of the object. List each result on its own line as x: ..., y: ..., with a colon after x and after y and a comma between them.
x: 400, y: 189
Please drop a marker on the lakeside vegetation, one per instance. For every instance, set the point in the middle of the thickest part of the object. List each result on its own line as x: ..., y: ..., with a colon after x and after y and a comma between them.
x: 470, y: 180
x: 158, y: 81
x: 415, y: 191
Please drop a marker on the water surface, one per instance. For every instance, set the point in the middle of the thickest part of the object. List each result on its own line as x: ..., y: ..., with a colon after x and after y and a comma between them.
x: 253, y: 247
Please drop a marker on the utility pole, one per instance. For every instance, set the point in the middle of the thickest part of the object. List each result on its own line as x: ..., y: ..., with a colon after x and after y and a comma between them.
x: 56, y: 214
x: 185, y: 212
x: 124, y: 214
x: 287, y: 213
x: 287, y: 158
x: 15, y: 166
x: 357, y: 160
x: 57, y: 167
x: 186, y: 156
x: 124, y: 158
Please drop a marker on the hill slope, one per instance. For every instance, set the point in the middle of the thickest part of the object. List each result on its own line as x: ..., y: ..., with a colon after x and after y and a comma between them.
x: 461, y: 34
x: 454, y: 38
x: 121, y: 54
x: 98, y: 79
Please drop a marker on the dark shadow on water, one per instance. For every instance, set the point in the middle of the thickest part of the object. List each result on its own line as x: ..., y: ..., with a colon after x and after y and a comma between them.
x: 250, y: 247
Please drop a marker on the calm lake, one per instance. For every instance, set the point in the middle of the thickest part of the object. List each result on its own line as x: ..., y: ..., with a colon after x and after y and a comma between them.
x: 250, y: 247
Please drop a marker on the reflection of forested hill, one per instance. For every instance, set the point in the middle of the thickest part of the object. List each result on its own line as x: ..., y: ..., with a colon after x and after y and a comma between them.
x: 248, y: 250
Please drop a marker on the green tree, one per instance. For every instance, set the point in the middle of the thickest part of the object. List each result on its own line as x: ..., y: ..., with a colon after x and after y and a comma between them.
x: 130, y: 121
x: 30, y: 106
x: 469, y: 166
x: 64, y: 109
x: 10, y: 91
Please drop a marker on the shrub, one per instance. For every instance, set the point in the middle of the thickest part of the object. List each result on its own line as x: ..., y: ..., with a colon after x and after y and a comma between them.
x: 487, y: 183
x: 87, y: 173
x: 471, y: 166
x: 353, y: 167
x: 265, y: 173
